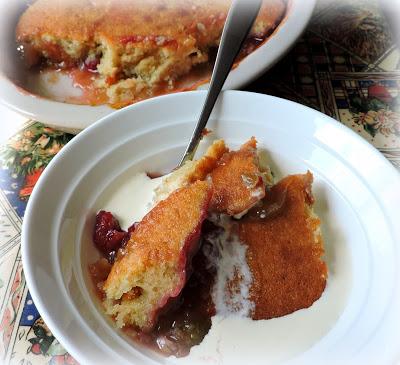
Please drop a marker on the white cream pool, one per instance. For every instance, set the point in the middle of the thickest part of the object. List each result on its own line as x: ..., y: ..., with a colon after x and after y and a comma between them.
x: 232, y: 337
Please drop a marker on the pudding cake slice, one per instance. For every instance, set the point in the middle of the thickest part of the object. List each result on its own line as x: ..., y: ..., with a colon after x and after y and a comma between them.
x: 153, y: 267
x: 238, y: 179
x: 284, y: 249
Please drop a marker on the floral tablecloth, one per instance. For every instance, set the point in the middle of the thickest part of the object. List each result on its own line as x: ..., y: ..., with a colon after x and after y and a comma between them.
x: 346, y: 65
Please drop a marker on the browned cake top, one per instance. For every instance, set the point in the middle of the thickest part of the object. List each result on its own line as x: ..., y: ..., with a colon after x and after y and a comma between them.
x: 162, y: 234
x: 284, y: 249
x: 72, y: 19
x: 208, y: 162
x: 237, y: 180
x: 84, y: 20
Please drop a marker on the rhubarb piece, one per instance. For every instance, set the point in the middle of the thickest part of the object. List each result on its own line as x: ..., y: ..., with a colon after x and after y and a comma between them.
x: 238, y: 182
x: 153, y: 266
x: 284, y: 249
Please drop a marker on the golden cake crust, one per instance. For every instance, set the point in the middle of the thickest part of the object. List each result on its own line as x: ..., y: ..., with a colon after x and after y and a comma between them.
x: 237, y: 181
x: 152, y: 267
x: 237, y: 178
x: 178, y: 19
x: 72, y: 19
x: 191, y: 171
x: 284, y: 249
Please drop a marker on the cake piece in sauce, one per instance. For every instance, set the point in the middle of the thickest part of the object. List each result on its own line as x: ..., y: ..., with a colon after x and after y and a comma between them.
x: 153, y: 267
x: 284, y: 249
x: 238, y: 182
x: 237, y: 178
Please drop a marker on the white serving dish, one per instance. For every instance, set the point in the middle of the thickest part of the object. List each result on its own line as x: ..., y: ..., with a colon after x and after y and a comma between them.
x: 77, y: 117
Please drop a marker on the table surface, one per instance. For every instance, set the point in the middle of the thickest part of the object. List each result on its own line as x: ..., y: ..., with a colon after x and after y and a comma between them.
x: 346, y: 65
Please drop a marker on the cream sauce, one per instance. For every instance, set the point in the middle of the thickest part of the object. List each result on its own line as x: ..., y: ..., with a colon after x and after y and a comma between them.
x: 231, y: 291
x: 132, y: 200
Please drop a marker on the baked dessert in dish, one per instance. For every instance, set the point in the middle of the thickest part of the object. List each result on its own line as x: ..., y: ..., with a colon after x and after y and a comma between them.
x: 133, y: 49
x: 221, y: 239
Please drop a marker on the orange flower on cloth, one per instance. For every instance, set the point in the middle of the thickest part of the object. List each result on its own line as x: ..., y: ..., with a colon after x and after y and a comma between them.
x: 30, y: 151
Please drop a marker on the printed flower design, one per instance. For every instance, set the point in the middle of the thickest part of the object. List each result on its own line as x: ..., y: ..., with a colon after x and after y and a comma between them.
x: 42, y: 339
x: 382, y: 121
x: 30, y: 151
x: 63, y: 360
x: 43, y: 343
x: 378, y: 112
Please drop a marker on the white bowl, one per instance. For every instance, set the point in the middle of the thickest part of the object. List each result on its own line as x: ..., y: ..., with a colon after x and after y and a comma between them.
x: 357, y: 319
x: 77, y: 117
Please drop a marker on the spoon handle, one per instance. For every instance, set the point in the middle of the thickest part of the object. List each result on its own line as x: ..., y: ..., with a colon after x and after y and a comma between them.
x: 237, y: 26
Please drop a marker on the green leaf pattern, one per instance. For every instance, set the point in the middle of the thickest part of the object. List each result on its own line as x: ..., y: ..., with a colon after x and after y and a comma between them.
x: 32, y: 149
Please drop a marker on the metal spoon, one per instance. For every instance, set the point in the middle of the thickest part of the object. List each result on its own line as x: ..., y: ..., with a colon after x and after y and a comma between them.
x: 241, y: 17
